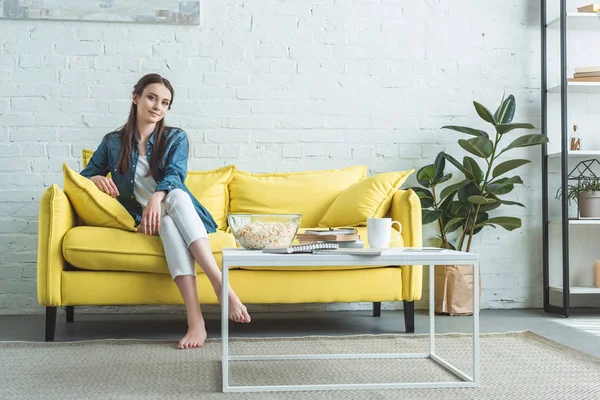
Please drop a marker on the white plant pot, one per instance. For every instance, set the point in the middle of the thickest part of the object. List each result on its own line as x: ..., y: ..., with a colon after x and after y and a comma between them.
x: 589, y: 204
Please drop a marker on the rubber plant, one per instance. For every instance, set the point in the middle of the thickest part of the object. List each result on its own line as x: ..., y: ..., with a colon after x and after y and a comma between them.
x: 464, y: 207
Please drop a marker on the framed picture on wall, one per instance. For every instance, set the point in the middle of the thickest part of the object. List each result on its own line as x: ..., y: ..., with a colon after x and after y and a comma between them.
x: 141, y: 11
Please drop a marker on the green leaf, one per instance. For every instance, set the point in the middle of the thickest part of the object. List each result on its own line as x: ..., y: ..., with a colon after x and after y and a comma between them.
x: 459, y: 209
x: 466, y: 191
x: 426, y: 175
x: 512, y: 203
x: 484, y: 113
x: 439, y: 163
x: 526, y: 141
x: 424, y: 195
x: 457, y: 164
x: 505, y: 128
x: 504, y: 185
x: 430, y: 216
x: 453, y: 224
x: 443, y: 179
x: 509, y: 165
x: 472, y: 166
x: 448, y: 190
x: 480, y: 147
x: 508, y: 223
x: 467, y: 130
x: 506, y: 111
x: 479, y: 200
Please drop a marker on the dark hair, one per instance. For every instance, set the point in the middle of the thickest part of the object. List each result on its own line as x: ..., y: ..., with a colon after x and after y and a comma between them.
x: 129, y: 129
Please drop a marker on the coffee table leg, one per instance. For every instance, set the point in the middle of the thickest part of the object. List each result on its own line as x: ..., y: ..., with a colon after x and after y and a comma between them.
x: 431, y: 310
x: 476, y: 323
x: 225, y: 326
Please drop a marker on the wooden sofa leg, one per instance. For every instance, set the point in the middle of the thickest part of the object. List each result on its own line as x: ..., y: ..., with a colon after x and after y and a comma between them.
x: 50, y: 323
x: 409, y: 316
x: 70, y: 313
x: 377, y: 309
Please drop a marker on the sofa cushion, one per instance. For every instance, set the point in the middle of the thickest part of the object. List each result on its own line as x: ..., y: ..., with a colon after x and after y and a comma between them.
x: 369, y: 198
x: 209, y: 187
x: 92, y: 205
x: 106, y: 249
x: 307, y: 193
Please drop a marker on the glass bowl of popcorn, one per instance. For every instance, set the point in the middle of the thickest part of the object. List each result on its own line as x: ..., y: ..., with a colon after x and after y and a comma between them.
x: 263, y: 231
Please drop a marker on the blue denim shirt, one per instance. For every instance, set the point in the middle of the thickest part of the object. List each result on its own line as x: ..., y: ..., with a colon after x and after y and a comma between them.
x: 171, y: 174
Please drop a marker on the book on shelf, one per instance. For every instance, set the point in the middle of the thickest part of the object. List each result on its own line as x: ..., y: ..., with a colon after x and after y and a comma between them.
x: 303, y: 248
x: 588, y: 79
x: 331, y: 231
x: 586, y: 69
x: 586, y: 74
x: 590, y: 8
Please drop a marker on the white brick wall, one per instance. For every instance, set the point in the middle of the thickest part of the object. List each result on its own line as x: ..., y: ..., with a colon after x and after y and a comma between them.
x: 274, y: 86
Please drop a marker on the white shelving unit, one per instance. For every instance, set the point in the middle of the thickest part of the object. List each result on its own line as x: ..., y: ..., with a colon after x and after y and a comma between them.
x: 570, y: 248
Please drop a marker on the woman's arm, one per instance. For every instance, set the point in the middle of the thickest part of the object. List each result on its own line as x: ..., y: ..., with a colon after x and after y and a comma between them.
x: 98, y: 164
x: 175, y: 164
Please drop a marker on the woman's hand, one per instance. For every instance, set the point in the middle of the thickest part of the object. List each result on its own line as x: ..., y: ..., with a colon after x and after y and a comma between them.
x: 151, y: 215
x: 106, y: 185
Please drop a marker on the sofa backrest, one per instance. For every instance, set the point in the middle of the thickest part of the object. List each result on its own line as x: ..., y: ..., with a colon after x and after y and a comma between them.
x: 308, y: 193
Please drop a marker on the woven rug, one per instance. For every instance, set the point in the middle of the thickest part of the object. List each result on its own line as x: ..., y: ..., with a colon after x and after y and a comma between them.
x: 518, y: 365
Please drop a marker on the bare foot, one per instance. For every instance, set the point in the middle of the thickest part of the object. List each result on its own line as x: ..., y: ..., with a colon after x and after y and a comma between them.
x: 194, y: 338
x: 237, y: 310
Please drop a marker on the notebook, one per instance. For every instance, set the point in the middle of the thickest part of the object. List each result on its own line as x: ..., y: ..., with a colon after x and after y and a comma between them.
x: 358, y: 252
x: 331, y: 231
x: 302, y: 248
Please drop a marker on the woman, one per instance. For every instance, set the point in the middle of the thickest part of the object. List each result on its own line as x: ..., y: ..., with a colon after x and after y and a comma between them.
x: 148, y: 164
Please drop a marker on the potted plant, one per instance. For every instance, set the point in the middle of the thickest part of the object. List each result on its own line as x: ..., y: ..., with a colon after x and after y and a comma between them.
x: 587, y: 193
x: 463, y: 209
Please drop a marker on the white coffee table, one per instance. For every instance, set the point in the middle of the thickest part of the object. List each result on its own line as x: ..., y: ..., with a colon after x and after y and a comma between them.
x: 408, y: 256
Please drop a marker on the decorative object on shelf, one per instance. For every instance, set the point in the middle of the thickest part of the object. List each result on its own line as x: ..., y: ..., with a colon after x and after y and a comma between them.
x: 149, y: 11
x: 586, y: 74
x: 586, y: 188
x: 575, y: 140
x: 597, y: 273
x: 462, y: 209
x: 590, y: 8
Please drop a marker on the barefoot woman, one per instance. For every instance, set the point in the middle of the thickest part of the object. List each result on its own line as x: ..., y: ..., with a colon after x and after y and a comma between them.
x: 148, y: 164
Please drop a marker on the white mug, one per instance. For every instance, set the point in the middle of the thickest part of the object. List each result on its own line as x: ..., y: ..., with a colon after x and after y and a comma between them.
x: 378, y: 232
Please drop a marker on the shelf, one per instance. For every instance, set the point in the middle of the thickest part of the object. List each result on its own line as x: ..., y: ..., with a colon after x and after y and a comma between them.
x: 578, y: 154
x: 577, y: 221
x: 583, y: 21
x: 578, y: 88
x: 579, y: 289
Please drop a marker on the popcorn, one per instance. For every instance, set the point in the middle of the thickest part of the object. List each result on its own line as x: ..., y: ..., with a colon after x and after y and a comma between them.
x: 260, y: 235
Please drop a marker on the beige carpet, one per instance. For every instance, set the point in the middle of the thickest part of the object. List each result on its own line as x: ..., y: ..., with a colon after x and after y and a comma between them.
x: 513, y: 366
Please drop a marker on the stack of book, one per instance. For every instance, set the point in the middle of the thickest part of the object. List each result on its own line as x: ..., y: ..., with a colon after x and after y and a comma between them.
x: 344, y: 237
x: 586, y: 74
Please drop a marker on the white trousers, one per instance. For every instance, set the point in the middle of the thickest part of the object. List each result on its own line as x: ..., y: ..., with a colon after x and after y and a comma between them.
x: 180, y: 226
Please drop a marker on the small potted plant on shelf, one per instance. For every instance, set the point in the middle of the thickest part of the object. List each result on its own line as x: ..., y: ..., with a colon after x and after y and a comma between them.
x: 587, y: 193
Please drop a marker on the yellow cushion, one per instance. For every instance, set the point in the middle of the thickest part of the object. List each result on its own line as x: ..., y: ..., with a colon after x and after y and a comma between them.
x: 307, y: 193
x: 106, y: 249
x: 369, y: 198
x: 210, y: 188
x: 92, y: 205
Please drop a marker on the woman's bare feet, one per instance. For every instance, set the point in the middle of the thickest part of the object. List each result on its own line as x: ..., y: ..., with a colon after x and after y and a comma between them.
x: 194, y: 338
x: 237, y: 310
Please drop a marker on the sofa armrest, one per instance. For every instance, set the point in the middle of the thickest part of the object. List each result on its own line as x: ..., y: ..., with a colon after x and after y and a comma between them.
x: 55, y: 219
x: 406, y: 209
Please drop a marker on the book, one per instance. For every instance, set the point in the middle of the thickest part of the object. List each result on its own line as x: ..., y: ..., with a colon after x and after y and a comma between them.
x: 303, y: 248
x: 587, y: 69
x: 590, y: 8
x: 331, y: 231
x: 358, y: 252
x: 586, y: 74
x: 588, y: 79
x: 302, y: 237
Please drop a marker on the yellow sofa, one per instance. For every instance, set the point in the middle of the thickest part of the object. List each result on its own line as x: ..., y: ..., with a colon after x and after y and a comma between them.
x: 81, y: 265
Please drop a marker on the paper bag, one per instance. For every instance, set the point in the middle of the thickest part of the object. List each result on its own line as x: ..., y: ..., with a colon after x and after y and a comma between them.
x: 454, y: 289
